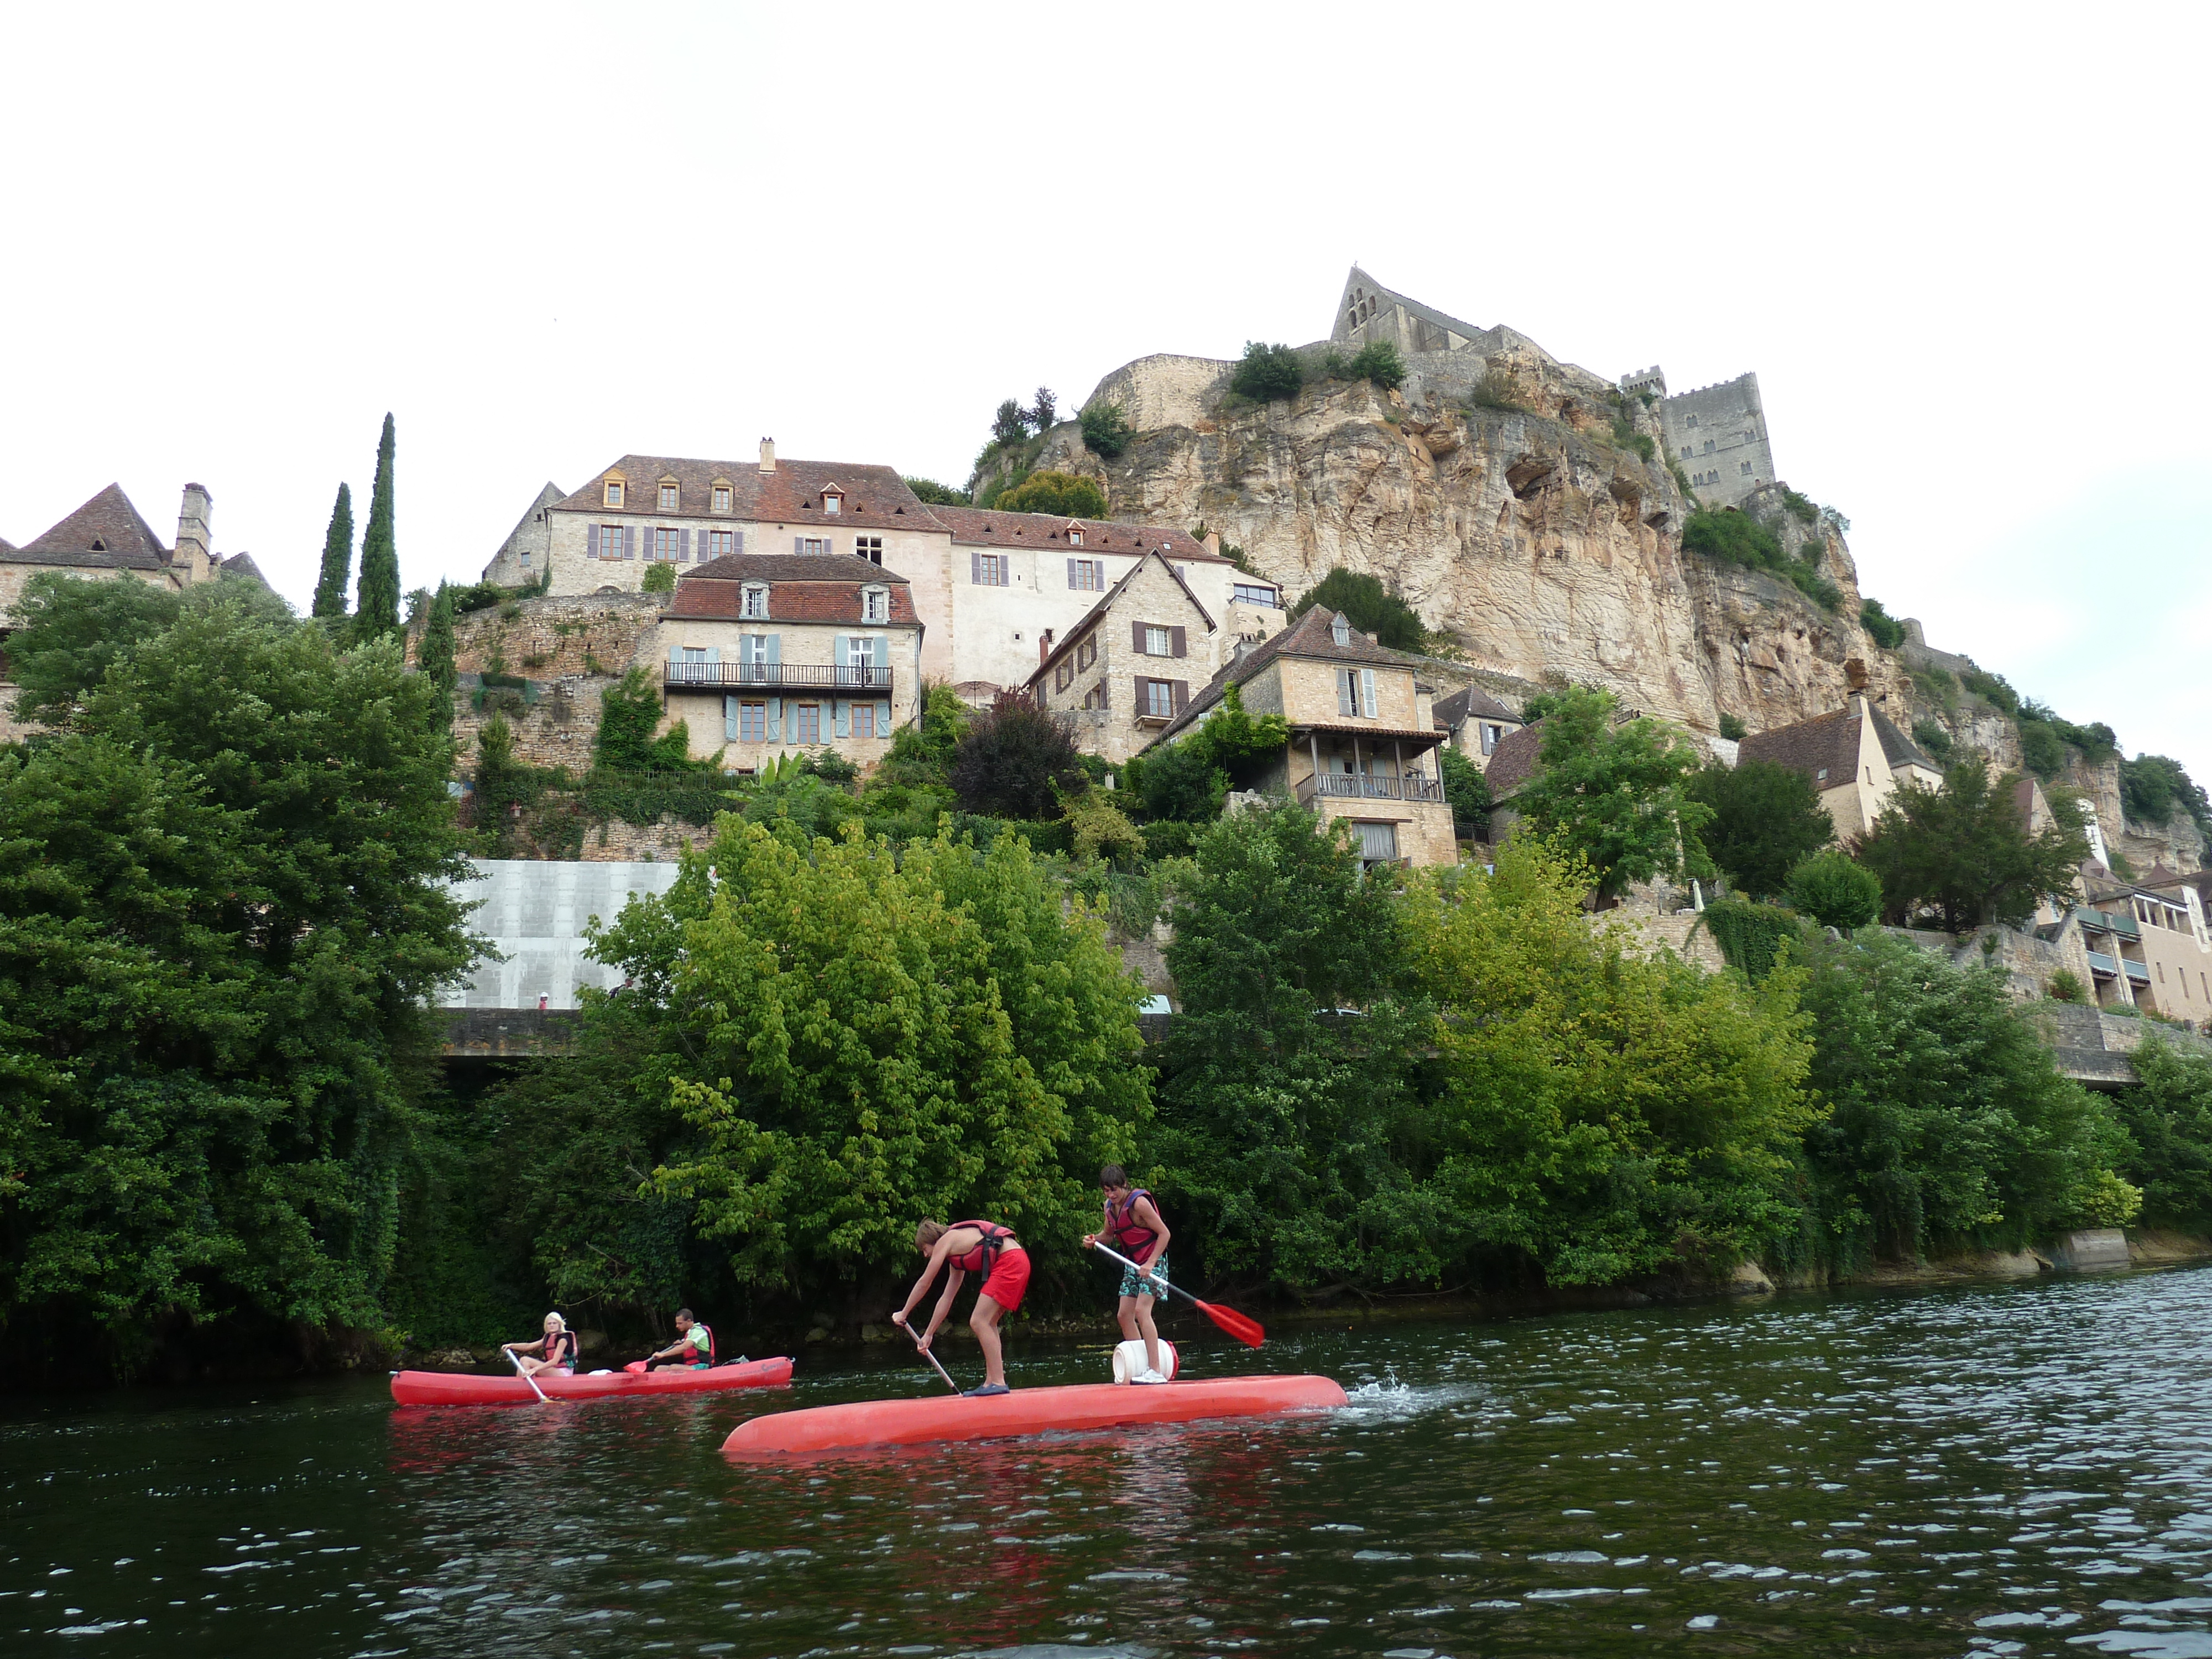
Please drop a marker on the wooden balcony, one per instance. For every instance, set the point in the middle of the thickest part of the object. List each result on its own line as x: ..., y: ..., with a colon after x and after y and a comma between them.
x: 1357, y: 786
x: 857, y: 678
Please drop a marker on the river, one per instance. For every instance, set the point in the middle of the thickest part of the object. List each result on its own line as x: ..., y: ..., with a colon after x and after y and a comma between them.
x: 1997, y: 1469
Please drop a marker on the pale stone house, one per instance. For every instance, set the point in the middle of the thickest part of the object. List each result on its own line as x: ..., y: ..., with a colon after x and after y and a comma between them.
x: 766, y: 654
x: 1123, y: 671
x: 1475, y: 723
x: 1854, y: 758
x: 1363, y: 734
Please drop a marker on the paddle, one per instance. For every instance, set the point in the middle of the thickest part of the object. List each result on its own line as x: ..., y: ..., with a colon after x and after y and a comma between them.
x: 932, y: 1359
x: 1236, y: 1324
x: 528, y: 1377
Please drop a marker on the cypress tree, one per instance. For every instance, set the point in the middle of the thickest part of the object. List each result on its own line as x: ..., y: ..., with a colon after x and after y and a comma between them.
x: 435, y: 655
x: 337, y: 558
x: 377, y: 609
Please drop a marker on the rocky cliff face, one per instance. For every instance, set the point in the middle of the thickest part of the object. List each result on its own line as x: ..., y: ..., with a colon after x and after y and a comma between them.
x: 1537, y: 539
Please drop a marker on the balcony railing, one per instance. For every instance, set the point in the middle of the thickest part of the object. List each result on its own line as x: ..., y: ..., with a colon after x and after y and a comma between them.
x: 1355, y: 786
x: 771, y: 676
x: 2104, y: 966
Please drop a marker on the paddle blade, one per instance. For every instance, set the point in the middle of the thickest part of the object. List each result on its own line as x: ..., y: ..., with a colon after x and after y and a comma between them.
x: 1246, y: 1331
x: 635, y: 1368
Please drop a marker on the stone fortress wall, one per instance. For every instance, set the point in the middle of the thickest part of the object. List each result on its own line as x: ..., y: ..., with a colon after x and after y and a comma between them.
x: 1718, y: 434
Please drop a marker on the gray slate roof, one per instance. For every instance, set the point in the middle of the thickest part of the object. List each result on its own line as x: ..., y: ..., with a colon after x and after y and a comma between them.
x: 1309, y: 636
x: 1473, y: 703
x: 105, y: 534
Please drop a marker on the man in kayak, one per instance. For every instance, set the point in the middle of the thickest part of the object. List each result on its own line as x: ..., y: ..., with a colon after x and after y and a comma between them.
x: 992, y: 1252
x: 694, y: 1348
x: 1134, y: 1226
x: 557, y: 1349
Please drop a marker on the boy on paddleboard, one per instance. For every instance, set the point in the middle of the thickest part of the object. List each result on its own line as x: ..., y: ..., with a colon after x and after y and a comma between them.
x: 1134, y: 1227
x: 986, y: 1248
x: 693, y: 1346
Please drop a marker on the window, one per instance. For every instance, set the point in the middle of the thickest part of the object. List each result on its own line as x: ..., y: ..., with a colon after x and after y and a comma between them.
x: 526, y: 558
x: 875, y: 604
x: 1155, y: 640
x: 670, y: 494
x: 1062, y: 675
x: 1086, y: 651
x: 861, y: 653
x: 1693, y: 421
x: 1075, y: 535
x: 813, y: 544
x: 833, y: 503
x: 666, y: 544
x: 752, y: 722
x: 713, y: 544
x: 806, y: 723
x: 1249, y: 594
x: 1341, y: 631
x: 721, y: 498
x: 614, y: 492
x: 864, y: 719
x: 754, y: 601
x: 1378, y: 843
x: 1355, y: 692
x: 1095, y: 696
x: 990, y: 570
x: 1490, y: 737
x: 1708, y: 446
x: 1686, y: 449
x: 1086, y: 575
x: 1821, y: 776
x: 1156, y: 698
x: 606, y: 541
x: 870, y: 548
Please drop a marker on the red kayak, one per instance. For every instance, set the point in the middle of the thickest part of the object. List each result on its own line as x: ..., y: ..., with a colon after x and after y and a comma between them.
x: 455, y: 1388
x: 1025, y: 1411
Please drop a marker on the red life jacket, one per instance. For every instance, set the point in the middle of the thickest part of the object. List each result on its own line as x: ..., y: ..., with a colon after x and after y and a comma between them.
x: 560, y: 1349
x: 985, y: 1255
x: 1135, y: 1239
x: 697, y: 1325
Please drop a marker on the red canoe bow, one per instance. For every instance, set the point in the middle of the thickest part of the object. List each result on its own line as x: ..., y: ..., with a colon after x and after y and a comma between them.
x: 460, y: 1389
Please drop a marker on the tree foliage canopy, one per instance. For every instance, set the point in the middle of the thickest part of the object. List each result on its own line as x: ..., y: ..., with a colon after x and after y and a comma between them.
x: 1765, y: 819
x: 1617, y: 797
x: 377, y: 612
x: 70, y: 629
x: 1371, y: 607
x: 1063, y: 493
x: 1265, y: 373
x: 1963, y: 852
x: 1015, y: 760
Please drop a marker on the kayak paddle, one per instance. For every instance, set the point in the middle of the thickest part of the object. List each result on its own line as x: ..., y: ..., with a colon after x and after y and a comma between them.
x: 932, y: 1359
x: 528, y: 1377
x: 1246, y: 1331
x: 638, y: 1367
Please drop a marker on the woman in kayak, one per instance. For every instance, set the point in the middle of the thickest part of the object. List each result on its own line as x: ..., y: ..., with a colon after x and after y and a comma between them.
x: 985, y: 1249
x: 557, y: 1349
x: 1133, y: 1227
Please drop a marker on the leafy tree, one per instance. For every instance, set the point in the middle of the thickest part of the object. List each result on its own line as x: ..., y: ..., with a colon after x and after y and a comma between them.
x: 1733, y: 728
x: 1267, y: 372
x: 1102, y: 831
x: 1468, y: 791
x: 2168, y: 1118
x: 1010, y: 426
x: 1836, y: 890
x: 1178, y: 781
x: 69, y: 629
x: 1765, y: 819
x: 1372, y: 608
x: 1615, y: 796
x: 222, y: 916
x: 937, y: 494
x: 1280, y: 1121
x: 1065, y: 494
x: 1105, y: 430
x: 1992, y: 689
x: 2041, y: 748
x: 435, y: 656
x: 1378, y: 361
x: 659, y: 578
x: 1600, y: 1110
x: 506, y: 786
x: 1044, y: 413
x: 921, y: 753
x: 1933, y: 737
x: 377, y: 607
x: 630, y: 714
x: 337, y: 558
x: 1883, y: 629
x: 1964, y: 853
x: 2153, y: 786
x: 1016, y: 761
x: 1950, y: 1124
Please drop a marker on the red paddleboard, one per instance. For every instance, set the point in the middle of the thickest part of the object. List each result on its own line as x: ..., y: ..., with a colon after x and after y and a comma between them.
x: 1025, y: 1411
x: 458, y: 1389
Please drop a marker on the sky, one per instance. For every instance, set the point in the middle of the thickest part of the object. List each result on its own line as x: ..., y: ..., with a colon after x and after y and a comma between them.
x: 1962, y: 247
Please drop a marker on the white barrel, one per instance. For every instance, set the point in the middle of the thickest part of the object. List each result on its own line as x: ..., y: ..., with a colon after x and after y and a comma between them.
x: 1130, y: 1359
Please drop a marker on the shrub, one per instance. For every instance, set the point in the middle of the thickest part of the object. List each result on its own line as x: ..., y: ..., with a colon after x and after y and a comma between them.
x: 2169, y: 1118
x: 1938, y: 685
x: 2065, y: 986
x: 935, y: 494
x: 1015, y: 760
x: 1371, y: 607
x: 1751, y: 937
x: 1733, y: 729
x: 1267, y: 372
x: 2042, y: 749
x: 1734, y: 538
x: 1064, y: 495
x: 630, y: 713
x: 1498, y: 389
x: 1992, y: 689
x: 1625, y: 435
x: 1934, y: 738
x: 1799, y: 507
x: 1379, y: 363
x: 1100, y: 829
x: 1105, y: 430
x: 1886, y: 631
x: 2153, y: 786
x: 659, y: 578
x: 1181, y: 781
x: 1836, y: 890
x: 1468, y: 794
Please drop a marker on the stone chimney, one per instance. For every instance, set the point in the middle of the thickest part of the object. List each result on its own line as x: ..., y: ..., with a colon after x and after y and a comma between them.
x: 1044, y: 647
x: 195, y: 551
x: 767, y: 455
x: 1212, y: 543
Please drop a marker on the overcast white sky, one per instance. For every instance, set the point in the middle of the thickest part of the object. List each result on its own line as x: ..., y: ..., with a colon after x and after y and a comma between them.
x: 1962, y: 247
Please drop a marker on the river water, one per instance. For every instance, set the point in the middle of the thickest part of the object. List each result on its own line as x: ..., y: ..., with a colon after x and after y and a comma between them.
x: 2002, y: 1469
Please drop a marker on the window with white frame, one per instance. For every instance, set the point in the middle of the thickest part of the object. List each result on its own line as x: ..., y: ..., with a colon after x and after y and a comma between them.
x: 875, y: 604
x: 860, y: 652
x: 1158, y: 642
x: 870, y: 548
x: 1341, y: 631
x: 670, y: 496
x: 753, y: 602
x: 1355, y: 692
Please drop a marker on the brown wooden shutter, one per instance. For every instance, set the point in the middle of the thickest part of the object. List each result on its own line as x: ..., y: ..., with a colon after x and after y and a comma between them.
x: 1178, y: 645
x: 1137, y: 637
x: 1181, y: 690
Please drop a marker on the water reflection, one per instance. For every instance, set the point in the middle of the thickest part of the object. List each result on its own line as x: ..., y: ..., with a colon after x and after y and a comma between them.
x: 2008, y: 1470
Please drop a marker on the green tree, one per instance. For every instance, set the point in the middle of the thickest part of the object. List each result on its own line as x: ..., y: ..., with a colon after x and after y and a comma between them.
x: 1933, y: 737
x: 1616, y: 796
x: 1836, y: 890
x: 223, y: 917
x: 1062, y: 493
x: 435, y: 655
x: 1106, y: 430
x: 1733, y: 728
x: 2153, y: 786
x: 1964, y: 853
x: 1468, y: 791
x: 659, y: 578
x: 1010, y: 426
x: 1178, y: 781
x: 1949, y: 1124
x: 1765, y: 820
x: 629, y: 715
x: 1883, y: 629
x: 2168, y: 1118
x: 1600, y: 1110
x: 1372, y: 608
x: 1044, y: 413
x: 1267, y: 372
x: 935, y: 494
x: 1378, y: 361
x: 337, y: 558
x: 505, y: 788
x: 69, y: 629
x: 1015, y: 760
x: 377, y: 611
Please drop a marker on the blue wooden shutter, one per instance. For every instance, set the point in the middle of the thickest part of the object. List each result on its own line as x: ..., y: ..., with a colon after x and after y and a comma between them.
x: 883, y: 720
x: 774, y: 648
x: 729, y: 720
x: 840, y: 721
x: 776, y: 719
x: 1345, y: 703
x: 714, y: 656
x: 1367, y: 693
x: 844, y: 657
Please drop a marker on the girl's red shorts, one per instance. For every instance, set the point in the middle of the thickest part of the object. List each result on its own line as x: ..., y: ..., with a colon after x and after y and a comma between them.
x: 1010, y: 1279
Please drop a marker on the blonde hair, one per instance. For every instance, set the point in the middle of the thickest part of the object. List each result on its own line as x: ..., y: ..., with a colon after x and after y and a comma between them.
x: 559, y: 1323
x: 927, y: 1234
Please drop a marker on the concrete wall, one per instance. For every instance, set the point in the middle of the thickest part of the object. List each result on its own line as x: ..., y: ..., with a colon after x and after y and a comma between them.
x: 535, y: 915
x: 1718, y: 435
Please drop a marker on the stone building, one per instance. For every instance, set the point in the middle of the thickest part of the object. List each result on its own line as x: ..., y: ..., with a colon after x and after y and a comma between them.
x: 1717, y: 436
x: 1475, y: 723
x: 523, y: 558
x: 765, y: 654
x: 1854, y: 758
x: 1122, y: 672
x: 1363, y: 734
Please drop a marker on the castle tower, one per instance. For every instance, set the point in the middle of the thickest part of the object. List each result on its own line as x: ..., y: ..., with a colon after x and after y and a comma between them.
x: 1718, y: 434
x: 194, y: 557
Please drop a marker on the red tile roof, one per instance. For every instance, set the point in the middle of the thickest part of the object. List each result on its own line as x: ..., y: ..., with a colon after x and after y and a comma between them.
x: 801, y: 589
x: 989, y: 527
x: 876, y: 497
x: 105, y: 534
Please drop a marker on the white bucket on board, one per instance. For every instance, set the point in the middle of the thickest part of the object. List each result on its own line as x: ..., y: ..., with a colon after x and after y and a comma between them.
x: 1130, y: 1359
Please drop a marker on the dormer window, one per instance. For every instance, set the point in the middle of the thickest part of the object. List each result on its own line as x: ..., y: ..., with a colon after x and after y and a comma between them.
x: 614, y: 492
x: 670, y: 494
x: 721, y: 498
x: 875, y: 604
x: 1075, y: 535
x: 1341, y: 631
x: 753, y: 602
x: 833, y: 501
